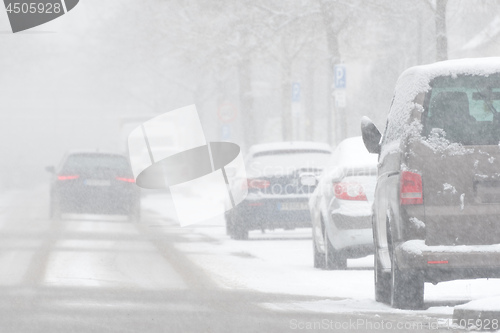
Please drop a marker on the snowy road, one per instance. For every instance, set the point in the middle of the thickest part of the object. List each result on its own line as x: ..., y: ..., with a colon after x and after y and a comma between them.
x: 105, y: 274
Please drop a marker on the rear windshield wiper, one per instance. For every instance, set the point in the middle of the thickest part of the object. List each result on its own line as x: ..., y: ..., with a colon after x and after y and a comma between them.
x: 488, y: 102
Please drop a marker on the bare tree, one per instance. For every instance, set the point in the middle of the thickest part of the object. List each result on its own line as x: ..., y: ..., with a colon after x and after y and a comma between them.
x: 438, y: 8
x: 441, y: 36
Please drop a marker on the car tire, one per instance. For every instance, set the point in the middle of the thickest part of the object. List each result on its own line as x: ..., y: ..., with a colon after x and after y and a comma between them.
x: 334, y: 260
x: 382, y: 282
x: 407, y: 288
x: 55, y: 210
x: 318, y: 257
x: 135, y: 213
x: 239, y: 229
x: 229, y: 227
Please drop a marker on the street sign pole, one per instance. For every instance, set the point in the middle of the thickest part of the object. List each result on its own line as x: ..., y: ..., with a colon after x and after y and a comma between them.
x: 296, y: 92
x: 340, y: 74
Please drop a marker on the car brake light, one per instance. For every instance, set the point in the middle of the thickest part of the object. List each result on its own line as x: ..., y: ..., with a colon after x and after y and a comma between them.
x: 258, y: 183
x: 411, y: 189
x: 67, y: 177
x: 437, y: 262
x: 349, y: 191
x: 128, y: 180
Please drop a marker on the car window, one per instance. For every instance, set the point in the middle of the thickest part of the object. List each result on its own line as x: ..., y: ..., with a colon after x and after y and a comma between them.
x: 289, y: 161
x: 95, y: 161
x: 388, y: 126
x: 464, y: 109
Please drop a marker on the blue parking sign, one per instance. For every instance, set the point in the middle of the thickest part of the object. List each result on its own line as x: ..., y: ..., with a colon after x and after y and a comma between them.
x: 226, y: 132
x: 340, y: 76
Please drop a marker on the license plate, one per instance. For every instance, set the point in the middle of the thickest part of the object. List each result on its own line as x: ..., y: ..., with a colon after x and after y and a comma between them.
x: 293, y: 206
x: 97, y: 182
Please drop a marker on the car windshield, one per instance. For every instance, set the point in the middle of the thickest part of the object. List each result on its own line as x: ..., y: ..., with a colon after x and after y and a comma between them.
x: 284, y: 162
x: 466, y: 109
x: 96, y: 161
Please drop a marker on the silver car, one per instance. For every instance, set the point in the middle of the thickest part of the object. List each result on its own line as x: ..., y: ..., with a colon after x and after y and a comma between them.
x: 340, y: 206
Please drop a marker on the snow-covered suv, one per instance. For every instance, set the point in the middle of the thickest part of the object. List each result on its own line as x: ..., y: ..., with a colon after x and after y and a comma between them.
x: 436, y: 212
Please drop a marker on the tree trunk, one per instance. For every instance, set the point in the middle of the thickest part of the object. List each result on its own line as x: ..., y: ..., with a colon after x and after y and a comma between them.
x: 286, y: 103
x: 328, y: 10
x: 309, y: 114
x: 419, y: 28
x: 246, y: 102
x: 441, y: 37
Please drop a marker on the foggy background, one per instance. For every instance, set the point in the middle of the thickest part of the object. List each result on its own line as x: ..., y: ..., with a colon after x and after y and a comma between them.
x: 83, y: 81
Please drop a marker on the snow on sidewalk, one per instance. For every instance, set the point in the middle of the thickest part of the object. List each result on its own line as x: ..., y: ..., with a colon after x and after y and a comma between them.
x: 281, y: 262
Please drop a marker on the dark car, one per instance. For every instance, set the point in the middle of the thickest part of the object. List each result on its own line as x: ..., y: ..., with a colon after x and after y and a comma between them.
x: 341, y: 206
x: 277, y: 198
x: 437, y: 201
x: 94, y: 183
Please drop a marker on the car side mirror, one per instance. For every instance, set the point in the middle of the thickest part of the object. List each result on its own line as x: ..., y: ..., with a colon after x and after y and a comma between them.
x: 308, y: 179
x: 50, y: 169
x: 371, y: 135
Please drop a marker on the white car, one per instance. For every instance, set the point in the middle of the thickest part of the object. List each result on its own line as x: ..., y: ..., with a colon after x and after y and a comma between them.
x: 340, y: 206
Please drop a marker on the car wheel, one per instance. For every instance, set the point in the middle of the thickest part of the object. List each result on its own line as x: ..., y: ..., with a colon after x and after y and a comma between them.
x: 333, y: 259
x: 382, y: 282
x: 229, y: 227
x: 55, y: 210
x: 318, y: 257
x: 407, y: 286
x: 239, y: 229
x: 135, y: 213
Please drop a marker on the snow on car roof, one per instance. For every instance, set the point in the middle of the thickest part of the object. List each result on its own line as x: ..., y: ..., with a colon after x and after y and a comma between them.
x: 353, y: 153
x: 291, y: 145
x: 350, y: 158
x: 422, y: 75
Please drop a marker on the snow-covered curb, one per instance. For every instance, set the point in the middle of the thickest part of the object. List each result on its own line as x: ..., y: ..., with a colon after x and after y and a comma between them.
x: 485, y: 304
x: 482, y: 314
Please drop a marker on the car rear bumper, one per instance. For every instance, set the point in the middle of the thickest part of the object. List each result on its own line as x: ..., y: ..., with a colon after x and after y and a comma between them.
x: 352, y: 227
x: 271, y: 213
x: 351, y: 214
x: 98, y: 202
x: 444, y: 263
x: 359, y: 242
x: 350, y: 222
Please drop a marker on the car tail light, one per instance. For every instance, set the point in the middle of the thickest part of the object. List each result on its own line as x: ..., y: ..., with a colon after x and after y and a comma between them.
x: 437, y: 262
x: 124, y: 179
x: 67, y: 177
x: 349, y: 191
x: 258, y: 183
x: 411, y: 189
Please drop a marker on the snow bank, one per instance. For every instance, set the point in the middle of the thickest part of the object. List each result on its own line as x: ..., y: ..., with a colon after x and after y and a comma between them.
x: 352, y: 306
